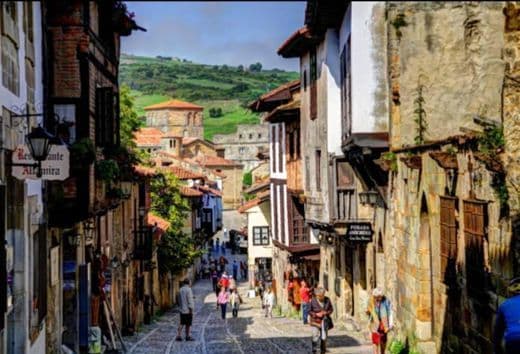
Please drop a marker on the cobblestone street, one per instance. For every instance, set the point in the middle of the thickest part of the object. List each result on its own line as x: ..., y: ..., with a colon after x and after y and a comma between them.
x: 251, y: 332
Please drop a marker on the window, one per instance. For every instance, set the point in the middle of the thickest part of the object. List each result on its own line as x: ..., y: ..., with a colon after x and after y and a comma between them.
x: 314, y: 92
x: 241, y: 150
x: 304, y: 80
x: 346, y: 89
x: 261, y: 236
x: 10, y: 66
x: 291, y: 144
x: 105, y: 116
x: 259, y: 136
x: 300, y: 232
x: 448, y: 238
x: 318, y: 170
x: 67, y: 115
x: 240, y: 136
x: 346, y: 192
x: 250, y: 136
x: 171, y: 144
x: 29, y: 80
x: 188, y: 119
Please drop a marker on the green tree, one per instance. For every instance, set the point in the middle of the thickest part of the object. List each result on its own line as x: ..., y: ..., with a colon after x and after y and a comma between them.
x: 247, y: 180
x: 176, y: 250
x: 257, y: 67
x: 129, y: 120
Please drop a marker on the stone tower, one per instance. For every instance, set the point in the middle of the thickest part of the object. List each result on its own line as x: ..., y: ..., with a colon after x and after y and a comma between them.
x: 177, y: 118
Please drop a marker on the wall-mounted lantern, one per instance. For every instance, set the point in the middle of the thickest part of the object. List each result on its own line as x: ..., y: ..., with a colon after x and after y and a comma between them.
x: 370, y: 197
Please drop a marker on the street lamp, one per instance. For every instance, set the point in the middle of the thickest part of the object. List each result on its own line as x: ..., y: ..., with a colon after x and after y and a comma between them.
x: 142, y: 211
x: 330, y: 239
x: 370, y: 197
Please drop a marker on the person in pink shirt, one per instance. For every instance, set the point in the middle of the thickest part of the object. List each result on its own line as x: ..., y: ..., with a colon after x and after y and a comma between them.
x: 305, y: 295
x: 222, y: 300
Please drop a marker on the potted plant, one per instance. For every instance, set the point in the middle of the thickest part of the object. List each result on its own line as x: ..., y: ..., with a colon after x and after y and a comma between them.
x: 82, y: 154
x: 388, y: 161
x: 107, y: 170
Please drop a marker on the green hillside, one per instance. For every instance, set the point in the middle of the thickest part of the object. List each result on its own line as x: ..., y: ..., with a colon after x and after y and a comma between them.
x: 228, y: 88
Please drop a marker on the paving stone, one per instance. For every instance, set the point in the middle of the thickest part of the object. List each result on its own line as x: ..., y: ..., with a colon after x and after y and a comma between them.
x: 249, y: 333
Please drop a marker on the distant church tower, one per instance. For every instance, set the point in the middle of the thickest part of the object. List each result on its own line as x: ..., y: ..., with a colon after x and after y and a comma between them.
x: 176, y: 118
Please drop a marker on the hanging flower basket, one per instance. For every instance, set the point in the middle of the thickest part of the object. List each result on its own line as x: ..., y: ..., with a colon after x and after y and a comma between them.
x: 445, y: 160
x: 413, y: 162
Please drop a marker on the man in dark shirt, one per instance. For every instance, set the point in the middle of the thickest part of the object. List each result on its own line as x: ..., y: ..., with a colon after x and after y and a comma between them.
x: 507, y: 323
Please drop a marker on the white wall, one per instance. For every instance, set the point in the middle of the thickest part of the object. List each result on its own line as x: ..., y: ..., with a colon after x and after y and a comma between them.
x: 333, y: 86
x: 258, y: 216
x: 357, y: 23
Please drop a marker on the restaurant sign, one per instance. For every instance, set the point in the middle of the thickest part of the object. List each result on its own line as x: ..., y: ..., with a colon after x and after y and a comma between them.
x: 54, y: 168
x: 359, y: 232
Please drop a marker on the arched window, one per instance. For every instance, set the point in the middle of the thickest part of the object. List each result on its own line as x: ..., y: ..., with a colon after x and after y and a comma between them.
x: 188, y: 120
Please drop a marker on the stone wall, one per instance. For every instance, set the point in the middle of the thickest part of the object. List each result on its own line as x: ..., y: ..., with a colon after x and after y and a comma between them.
x: 459, y: 42
x: 448, y: 56
x: 243, y: 145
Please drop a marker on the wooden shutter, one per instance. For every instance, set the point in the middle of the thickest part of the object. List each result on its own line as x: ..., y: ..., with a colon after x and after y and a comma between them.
x: 448, y: 237
x: 474, y: 232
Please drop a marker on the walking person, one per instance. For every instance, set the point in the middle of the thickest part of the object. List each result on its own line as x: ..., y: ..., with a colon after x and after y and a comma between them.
x: 507, y: 323
x: 320, y: 310
x: 222, y: 300
x: 187, y: 305
x: 305, y: 296
x: 381, y: 319
x: 235, y: 300
x: 269, y: 301
x: 243, y: 269
x: 235, y: 269
x: 214, y: 279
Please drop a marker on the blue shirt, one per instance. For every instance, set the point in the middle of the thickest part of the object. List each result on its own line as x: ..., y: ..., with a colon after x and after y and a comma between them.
x: 508, y: 321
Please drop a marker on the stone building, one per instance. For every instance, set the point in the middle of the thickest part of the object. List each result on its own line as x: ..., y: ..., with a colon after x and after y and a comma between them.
x: 244, y: 145
x: 177, y: 118
x: 89, y: 224
x: 23, y: 254
x: 452, y: 238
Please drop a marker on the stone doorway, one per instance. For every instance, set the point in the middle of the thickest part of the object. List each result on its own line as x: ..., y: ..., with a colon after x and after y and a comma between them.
x: 424, y: 312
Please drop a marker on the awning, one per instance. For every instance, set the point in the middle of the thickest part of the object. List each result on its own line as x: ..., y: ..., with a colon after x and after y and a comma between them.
x: 312, y: 257
x: 299, y: 249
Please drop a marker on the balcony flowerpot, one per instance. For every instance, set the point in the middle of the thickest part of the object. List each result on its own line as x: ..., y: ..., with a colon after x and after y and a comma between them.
x: 82, y: 155
x: 492, y: 163
x: 445, y: 160
x: 413, y: 162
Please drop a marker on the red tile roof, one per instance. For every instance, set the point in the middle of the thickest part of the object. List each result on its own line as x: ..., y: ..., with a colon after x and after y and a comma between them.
x: 148, y: 136
x: 260, y: 198
x: 215, y: 161
x: 161, y: 223
x: 183, y: 173
x: 269, y: 100
x: 297, y: 43
x: 190, y: 192
x: 144, y: 171
x: 174, y: 104
x: 211, y: 190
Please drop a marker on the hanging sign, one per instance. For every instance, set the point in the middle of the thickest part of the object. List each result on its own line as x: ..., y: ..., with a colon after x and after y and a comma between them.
x: 359, y: 232
x: 54, y: 168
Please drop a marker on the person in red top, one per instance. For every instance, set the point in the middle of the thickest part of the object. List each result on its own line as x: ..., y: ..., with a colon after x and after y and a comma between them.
x: 225, y: 280
x: 305, y: 295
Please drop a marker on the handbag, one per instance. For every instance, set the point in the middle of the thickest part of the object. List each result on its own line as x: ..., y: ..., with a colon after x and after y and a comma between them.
x: 328, y: 323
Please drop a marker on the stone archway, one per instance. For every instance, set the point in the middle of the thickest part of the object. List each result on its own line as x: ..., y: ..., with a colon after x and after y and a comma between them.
x: 424, y: 277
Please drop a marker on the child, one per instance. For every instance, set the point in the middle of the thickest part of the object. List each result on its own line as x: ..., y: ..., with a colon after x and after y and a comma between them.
x: 235, y: 300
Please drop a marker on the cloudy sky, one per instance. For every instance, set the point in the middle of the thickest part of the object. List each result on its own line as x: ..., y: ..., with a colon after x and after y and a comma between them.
x: 219, y: 33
